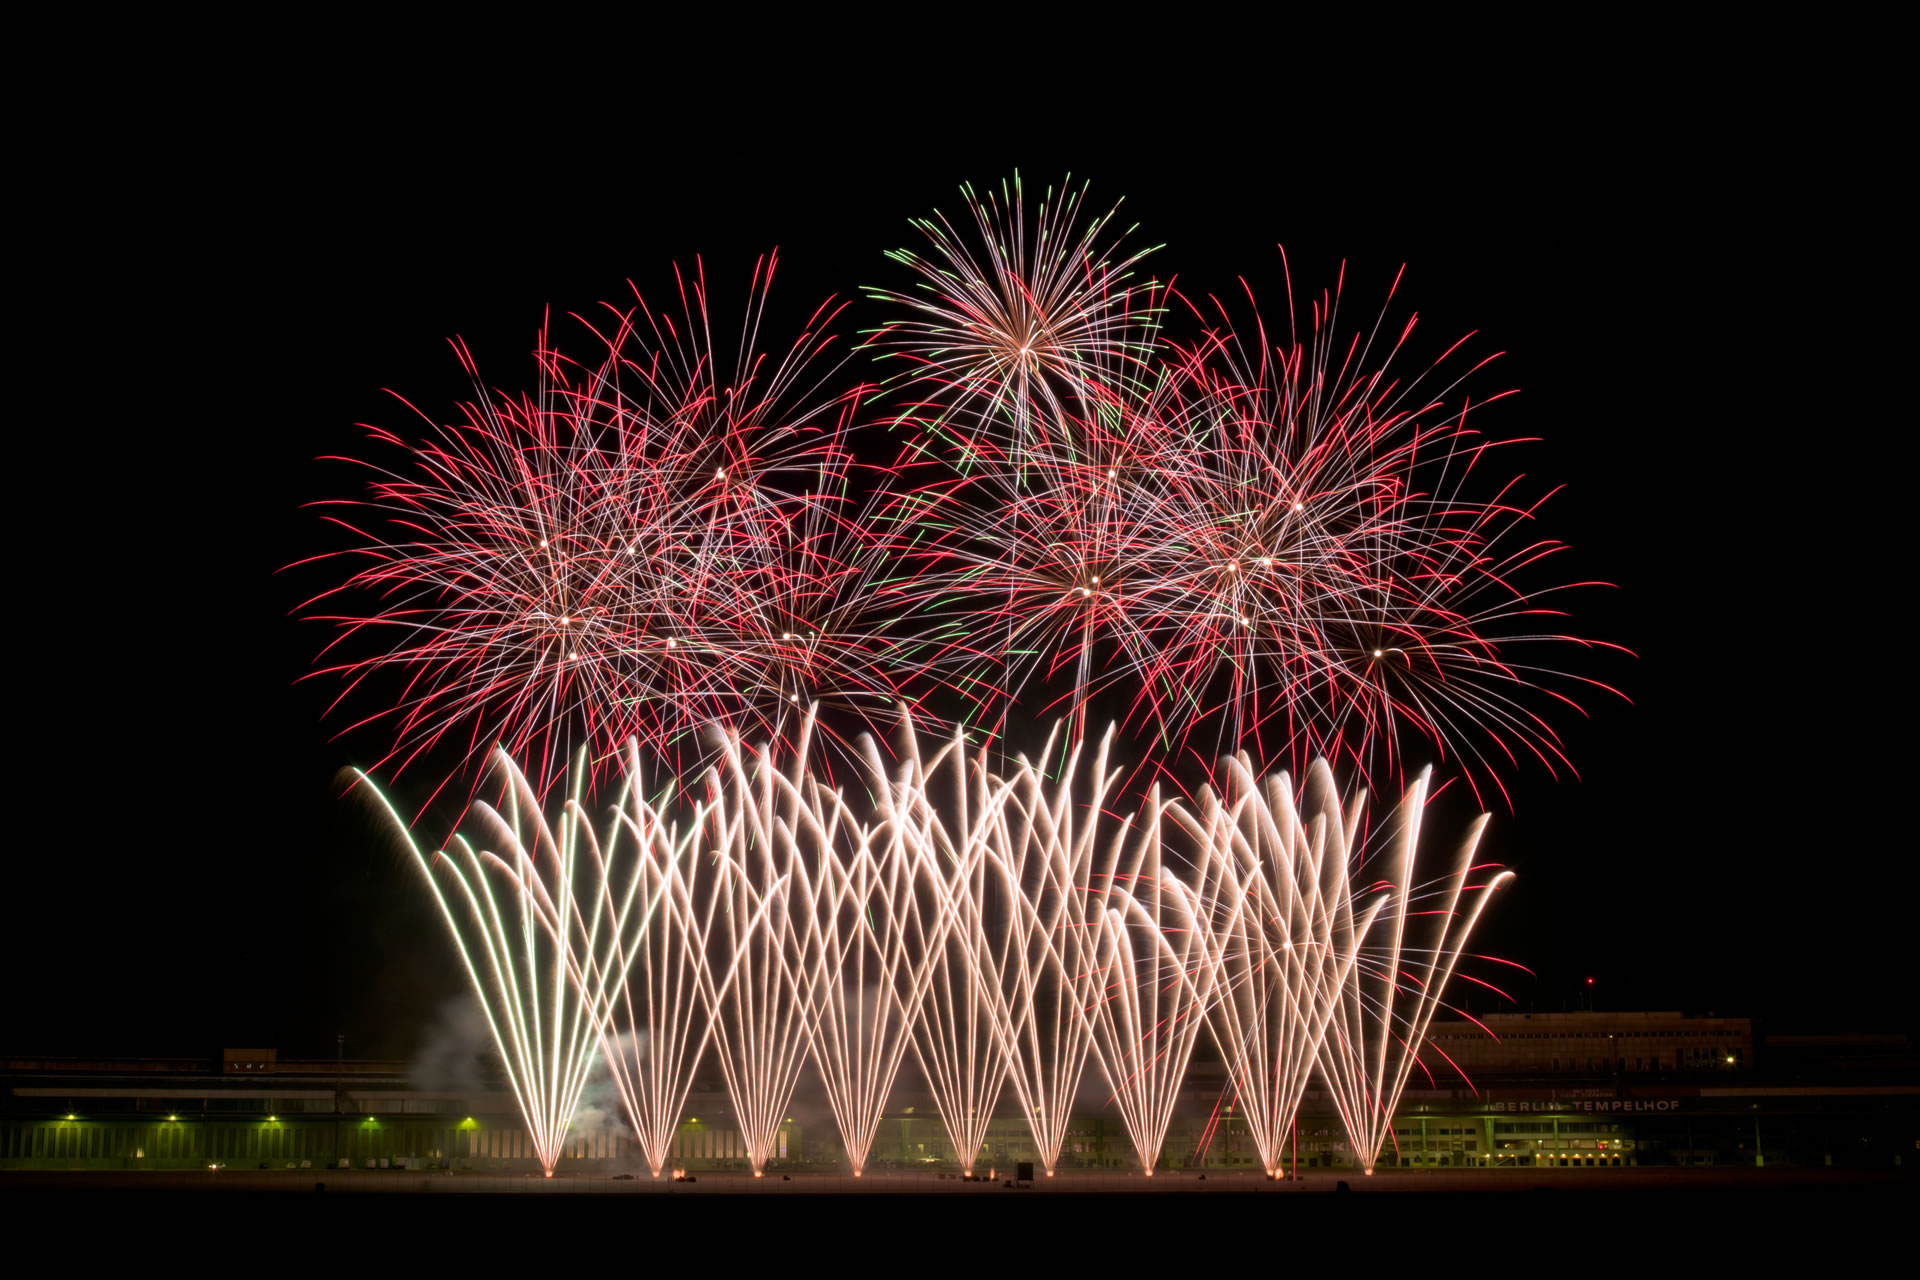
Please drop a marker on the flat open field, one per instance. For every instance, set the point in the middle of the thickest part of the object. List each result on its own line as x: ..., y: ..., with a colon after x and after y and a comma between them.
x: 1172, y: 1220
x: 360, y: 1184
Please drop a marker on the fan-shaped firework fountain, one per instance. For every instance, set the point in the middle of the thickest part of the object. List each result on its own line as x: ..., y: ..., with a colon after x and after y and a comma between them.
x: 956, y: 1037
x: 762, y: 968
x: 1396, y: 983
x: 1037, y: 960
x: 874, y: 924
x: 538, y: 913
x: 1010, y: 941
x: 1280, y: 940
x: 657, y: 1019
x: 1150, y: 986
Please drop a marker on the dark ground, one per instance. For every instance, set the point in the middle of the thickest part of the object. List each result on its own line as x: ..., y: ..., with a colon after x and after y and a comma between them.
x: 1465, y: 1183
x: 725, y: 1223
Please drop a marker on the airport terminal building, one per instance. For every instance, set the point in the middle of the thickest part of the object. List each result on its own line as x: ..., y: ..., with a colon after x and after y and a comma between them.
x: 1575, y: 1091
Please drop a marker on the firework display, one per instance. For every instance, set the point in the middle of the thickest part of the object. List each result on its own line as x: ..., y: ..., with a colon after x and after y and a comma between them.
x: 760, y: 972
x: 1072, y: 490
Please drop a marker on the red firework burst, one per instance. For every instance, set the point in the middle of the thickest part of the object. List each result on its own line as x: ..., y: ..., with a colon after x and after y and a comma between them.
x: 654, y: 543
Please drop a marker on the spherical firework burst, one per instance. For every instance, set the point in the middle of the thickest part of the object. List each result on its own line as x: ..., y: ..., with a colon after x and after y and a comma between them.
x: 655, y: 542
x: 1331, y: 576
x: 1015, y: 330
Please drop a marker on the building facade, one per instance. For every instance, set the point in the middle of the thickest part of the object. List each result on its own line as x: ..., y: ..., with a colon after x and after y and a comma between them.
x: 1583, y: 1091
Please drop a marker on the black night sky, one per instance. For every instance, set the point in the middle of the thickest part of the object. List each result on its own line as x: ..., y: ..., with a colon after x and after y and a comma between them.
x: 1694, y: 335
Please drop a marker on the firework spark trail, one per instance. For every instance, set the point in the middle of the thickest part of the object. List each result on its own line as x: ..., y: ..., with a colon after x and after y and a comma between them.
x: 874, y: 937
x: 763, y: 969
x: 539, y: 964
x: 955, y: 1029
x: 1048, y: 565
x: 1390, y: 997
x: 1151, y: 985
x: 657, y: 1021
x: 1281, y: 940
x: 1036, y: 953
x: 653, y: 542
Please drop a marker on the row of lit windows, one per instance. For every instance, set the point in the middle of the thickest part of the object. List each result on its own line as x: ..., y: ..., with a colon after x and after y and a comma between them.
x: 273, y: 1141
x: 719, y: 1144
x: 1583, y: 1035
x: 215, y: 1106
x: 163, y: 1142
